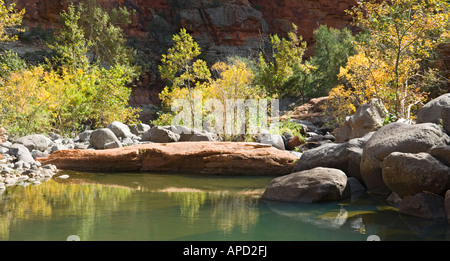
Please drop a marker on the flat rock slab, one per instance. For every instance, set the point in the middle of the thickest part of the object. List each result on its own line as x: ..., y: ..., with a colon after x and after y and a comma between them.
x: 217, y: 158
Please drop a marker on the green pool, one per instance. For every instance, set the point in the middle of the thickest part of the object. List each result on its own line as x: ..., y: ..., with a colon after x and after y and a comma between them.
x: 155, y: 207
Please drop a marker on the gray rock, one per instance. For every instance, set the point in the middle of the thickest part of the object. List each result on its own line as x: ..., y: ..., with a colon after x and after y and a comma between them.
x: 113, y: 145
x: 367, y: 118
x: 39, y: 154
x: 356, y: 188
x: 445, y: 114
x: 21, y: 153
x: 271, y: 139
x: 308, y: 186
x: 85, y: 135
x: 344, y: 156
x: 432, y: 111
x: 424, y: 205
x: 203, y: 137
x: 396, y: 137
x: 100, y: 137
x: 447, y: 205
x: 408, y: 174
x: 185, y: 133
x: 160, y: 135
x: 58, y: 147
x: 120, y: 130
x: 127, y: 141
x: 139, y: 129
x: 442, y: 153
x: 3, y: 150
x: 35, y: 141
x: 54, y: 136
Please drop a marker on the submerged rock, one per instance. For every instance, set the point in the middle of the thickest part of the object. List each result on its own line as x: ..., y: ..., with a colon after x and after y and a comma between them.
x: 424, y: 205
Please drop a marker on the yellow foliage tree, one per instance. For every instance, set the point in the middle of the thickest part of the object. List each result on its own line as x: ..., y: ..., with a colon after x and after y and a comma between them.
x: 388, y: 66
x: 10, y: 19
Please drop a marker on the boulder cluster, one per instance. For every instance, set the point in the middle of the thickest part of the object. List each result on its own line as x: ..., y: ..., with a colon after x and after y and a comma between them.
x: 407, y: 163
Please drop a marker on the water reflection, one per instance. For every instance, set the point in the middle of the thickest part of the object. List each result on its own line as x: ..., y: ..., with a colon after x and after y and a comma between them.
x: 229, y: 210
x: 55, y: 200
x: 171, y: 207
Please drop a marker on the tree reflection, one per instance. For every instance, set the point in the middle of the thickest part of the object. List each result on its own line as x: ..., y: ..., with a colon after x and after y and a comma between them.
x: 229, y: 209
x: 18, y: 203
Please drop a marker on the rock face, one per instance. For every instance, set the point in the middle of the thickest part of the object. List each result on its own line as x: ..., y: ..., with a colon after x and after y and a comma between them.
x: 396, y: 137
x: 308, y: 186
x: 408, y: 174
x: 219, y: 158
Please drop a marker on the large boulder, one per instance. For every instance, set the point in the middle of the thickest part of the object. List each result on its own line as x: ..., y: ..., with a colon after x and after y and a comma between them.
x: 367, y: 118
x: 308, y: 186
x: 396, y: 137
x: 424, y: 205
x: 216, y: 158
x: 160, y: 135
x: 104, y: 138
x: 139, y: 129
x: 120, y: 130
x: 35, y: 142
x: 432, y: 111
x: 442, y: 153
x: 408, y: 174
x: 344, y: 156
x: 21, y: 152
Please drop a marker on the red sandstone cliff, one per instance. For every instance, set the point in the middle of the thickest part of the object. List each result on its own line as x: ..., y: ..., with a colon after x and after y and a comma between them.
x: 221, y: 27
x: 220, y: 22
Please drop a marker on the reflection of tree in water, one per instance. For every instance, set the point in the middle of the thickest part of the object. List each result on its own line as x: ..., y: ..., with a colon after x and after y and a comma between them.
x: 190, y: 202
x: 230, y: 210
x: 36, y: 202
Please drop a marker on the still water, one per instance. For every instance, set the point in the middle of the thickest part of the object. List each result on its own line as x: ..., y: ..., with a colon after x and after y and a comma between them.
x: 155, y: 207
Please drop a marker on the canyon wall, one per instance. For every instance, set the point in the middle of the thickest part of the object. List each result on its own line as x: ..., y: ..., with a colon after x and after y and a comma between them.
x: 221, y: 27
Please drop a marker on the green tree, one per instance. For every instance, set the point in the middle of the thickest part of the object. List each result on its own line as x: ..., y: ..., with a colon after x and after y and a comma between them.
x: 70, y: 44
x: 331, y: 51
x: 10, y: 62
x: 101, y: 27
x: 276, y: 74
x: 182, y: 70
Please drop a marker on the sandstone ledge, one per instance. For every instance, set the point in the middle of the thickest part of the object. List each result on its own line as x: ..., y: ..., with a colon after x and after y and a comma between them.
x: 215, y: 158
